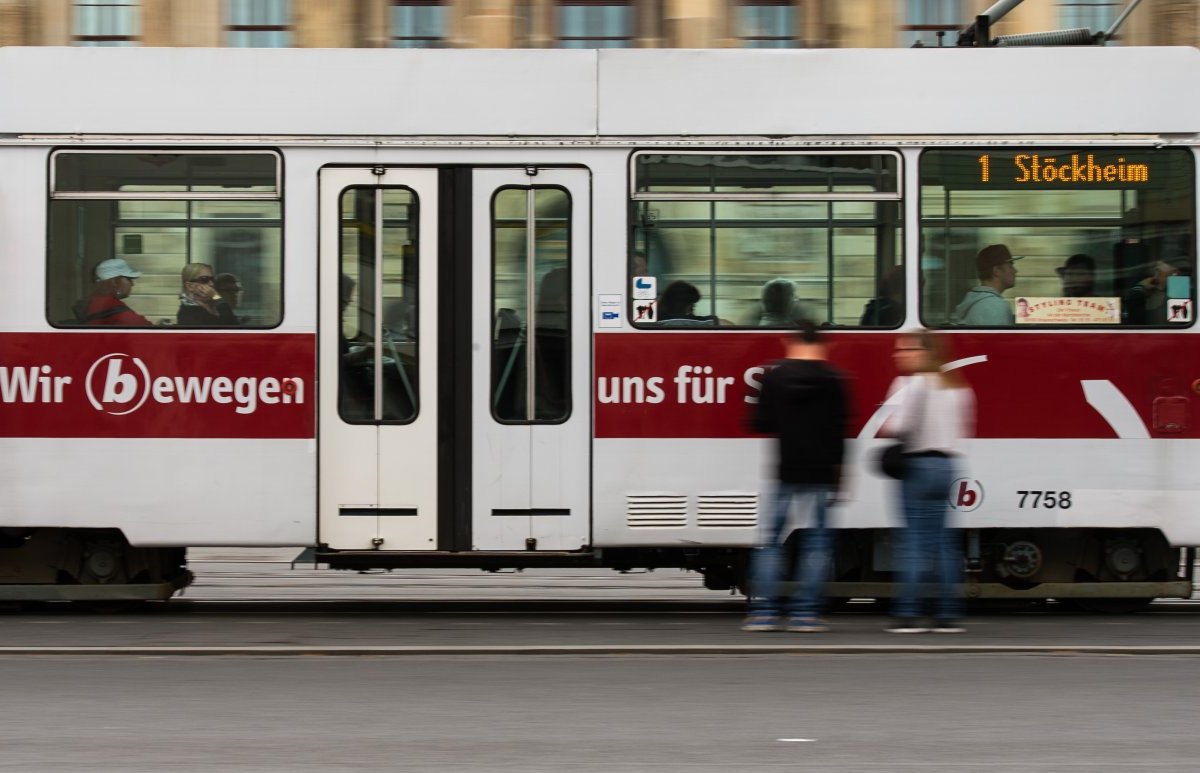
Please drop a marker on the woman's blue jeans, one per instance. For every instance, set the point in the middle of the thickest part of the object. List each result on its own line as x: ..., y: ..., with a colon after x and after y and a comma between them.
x: 926, y: 545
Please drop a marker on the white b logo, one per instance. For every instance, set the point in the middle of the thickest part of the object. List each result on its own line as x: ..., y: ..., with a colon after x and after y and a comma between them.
x: 117, y: 384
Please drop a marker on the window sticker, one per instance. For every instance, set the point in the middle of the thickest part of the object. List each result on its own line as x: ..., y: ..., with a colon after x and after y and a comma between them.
x: 645, y: 288
x: 1067, y: 311
x: 608, y: 309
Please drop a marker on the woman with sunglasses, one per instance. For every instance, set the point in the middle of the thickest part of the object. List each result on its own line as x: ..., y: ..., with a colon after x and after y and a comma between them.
x: 199, y: 304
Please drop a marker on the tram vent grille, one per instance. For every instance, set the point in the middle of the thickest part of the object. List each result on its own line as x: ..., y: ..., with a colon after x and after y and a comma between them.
x: 656, y: 511
x: 725, y: 511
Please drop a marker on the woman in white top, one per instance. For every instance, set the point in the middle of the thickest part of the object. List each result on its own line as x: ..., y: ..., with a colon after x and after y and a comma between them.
x: 936, y: 411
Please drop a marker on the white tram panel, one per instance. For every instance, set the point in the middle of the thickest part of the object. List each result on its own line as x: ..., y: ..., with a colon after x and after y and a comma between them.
x: 526, y: 94
x: 367, y: 92
x: 871, y: 91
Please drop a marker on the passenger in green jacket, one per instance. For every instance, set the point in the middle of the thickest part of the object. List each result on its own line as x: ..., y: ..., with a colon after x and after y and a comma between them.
x: 983, y: 305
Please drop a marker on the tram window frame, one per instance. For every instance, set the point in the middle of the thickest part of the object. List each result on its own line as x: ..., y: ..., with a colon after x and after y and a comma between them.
x: 494, y: 310
x: 1127, y: 247
x: 840, y: 223
x: 61, y: 304
x: 373, y: 314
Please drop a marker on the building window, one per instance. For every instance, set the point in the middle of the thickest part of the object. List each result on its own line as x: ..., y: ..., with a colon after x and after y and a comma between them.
x: 106, y: 23
x: 418, y: 23
x: 767, y: 24
x: 924, y: 19
x: 595, y: 24
x: 1095, y: 15
x: 258, y: 23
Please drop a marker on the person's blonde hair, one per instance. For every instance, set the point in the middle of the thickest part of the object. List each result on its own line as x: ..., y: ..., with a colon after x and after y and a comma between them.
x: 193, y: 270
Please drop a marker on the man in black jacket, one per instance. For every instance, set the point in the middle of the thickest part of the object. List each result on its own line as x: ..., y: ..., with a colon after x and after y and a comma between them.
x: 804, y: 403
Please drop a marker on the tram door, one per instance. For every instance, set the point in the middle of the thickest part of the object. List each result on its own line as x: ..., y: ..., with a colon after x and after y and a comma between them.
x: 378, y: 409
x: 392, y: 392
x: 530, y: 274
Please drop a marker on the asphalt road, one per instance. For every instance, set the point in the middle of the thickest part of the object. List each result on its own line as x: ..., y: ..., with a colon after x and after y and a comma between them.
x: 658, y: 715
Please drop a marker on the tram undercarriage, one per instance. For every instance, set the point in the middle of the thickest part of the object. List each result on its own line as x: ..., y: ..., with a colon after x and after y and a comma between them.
x: 91, y: 565
x: 1103, y: 570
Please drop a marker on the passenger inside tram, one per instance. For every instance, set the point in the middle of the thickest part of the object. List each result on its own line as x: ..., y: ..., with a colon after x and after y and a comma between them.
x: 114, y: 280
x: 552, y: 346
x: 200, y: 304
x: 356, y: 393
x: 886, y: 309
x: 1078, y: 276
x: 677, y: 307
x: 780, y: 306
x: 1146, y: 303
x: 983, y: 305
x: 229, y: 287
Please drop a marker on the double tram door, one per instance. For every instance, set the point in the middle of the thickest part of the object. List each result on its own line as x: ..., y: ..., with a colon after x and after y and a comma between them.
x: 454, y: 417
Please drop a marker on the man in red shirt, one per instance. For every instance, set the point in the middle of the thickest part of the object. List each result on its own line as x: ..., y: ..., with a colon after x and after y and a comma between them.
x: 106, y: 306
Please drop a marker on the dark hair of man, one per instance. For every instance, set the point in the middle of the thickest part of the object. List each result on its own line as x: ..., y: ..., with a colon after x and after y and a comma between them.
x: 808, y: 333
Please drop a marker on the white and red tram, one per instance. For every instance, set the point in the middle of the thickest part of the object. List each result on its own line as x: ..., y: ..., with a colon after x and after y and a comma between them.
x: 454, y: 344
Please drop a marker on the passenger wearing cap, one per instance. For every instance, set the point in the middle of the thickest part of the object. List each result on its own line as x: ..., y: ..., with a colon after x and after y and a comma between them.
x: 1078, y: 276
x: 106, y: 305
x: 983, y: 305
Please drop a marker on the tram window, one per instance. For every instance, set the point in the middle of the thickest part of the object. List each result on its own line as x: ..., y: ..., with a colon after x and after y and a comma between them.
x: 531, y: 280
x: 378, y: 376
x: 166, y: 215
x: 767, y: 239
x: 1101, y: 236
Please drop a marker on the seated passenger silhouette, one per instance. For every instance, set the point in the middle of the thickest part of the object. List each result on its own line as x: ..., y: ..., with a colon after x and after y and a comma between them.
x: 1078, y: 276
x: 780, y: 307
x: 114, y: 280
x: 886, y: 309
x: 983, y: 305
x: 677, y: 306
x: 1146, y: 302
x: 200, y: 305
x: 552, y: 347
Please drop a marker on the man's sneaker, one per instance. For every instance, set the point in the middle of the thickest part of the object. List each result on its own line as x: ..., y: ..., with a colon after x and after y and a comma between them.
x: 948, y: 626
x: 906, y: 625
x: 761, y: 623
x: 806, y: 625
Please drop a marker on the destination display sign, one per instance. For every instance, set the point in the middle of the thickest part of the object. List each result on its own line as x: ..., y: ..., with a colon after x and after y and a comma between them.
x: 1041, y: 168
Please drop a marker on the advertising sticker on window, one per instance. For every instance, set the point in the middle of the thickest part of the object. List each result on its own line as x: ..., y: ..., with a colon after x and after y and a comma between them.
x: 1068, y: 311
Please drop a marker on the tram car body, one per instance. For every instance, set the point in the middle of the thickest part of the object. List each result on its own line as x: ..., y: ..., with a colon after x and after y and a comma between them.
x: 452, y: 342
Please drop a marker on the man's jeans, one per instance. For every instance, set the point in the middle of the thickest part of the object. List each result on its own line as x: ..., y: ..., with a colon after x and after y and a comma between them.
x: 812, y: 557
x: 925, y: 543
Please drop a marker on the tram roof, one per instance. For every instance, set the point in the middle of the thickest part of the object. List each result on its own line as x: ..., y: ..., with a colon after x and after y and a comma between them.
x: 548, y: 93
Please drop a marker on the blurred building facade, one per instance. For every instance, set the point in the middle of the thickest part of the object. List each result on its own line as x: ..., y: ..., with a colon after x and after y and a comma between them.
x: 564, y: 23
